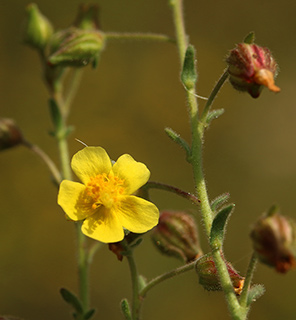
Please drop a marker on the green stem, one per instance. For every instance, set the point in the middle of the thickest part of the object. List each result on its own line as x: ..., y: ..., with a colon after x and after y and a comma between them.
x: 197, y: 131
x: 165, y: 276
x: 138, y: 36
x: 136, y: 304
x: 161, y: 186
x: 248, y: 280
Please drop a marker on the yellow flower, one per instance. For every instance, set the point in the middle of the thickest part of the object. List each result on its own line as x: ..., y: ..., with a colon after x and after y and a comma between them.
x: 105, y: 201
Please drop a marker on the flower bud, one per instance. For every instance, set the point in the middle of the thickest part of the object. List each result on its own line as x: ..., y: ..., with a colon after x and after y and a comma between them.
x: 75, y: 47
x: 208, y: 275
x: 87, y: 17
x: 10, y: 134
x: 176, y: 235
x: 251, y: 67
x: 37, y: 28
x: 274, y: 241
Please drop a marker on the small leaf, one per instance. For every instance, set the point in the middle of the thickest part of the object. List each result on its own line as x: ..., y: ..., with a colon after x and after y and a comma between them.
x: 125, y: 308
x: 189, y: 75
x: 138, y: 242
x: 70, y: 298
x: 218, y: 226
x: 219, y: 201
x: 214, y: 115
x: 56, y: 115
x: 250, y: 38
x: 255, y: 292
x: 178, y: 139
x: 89, y: 314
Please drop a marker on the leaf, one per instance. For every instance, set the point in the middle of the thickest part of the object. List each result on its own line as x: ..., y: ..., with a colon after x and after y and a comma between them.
x: 219, y: 201
x: 218, y: 226
x: 250, y: 38
x: 178, y: 139
x: 89, y: 314
x: 56, y: 115
x: 125, y: 308
x: 71, y: 299
x: 188, y: 74
x: 255, y: 292
x: 214, y: 115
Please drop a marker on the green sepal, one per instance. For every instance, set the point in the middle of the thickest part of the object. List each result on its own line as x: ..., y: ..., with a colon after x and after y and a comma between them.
x: 71, y: 299
x: 250, y: 38
x: 173, y: 135
x: 219, y: 201
x: 142, y: 282
x: 89, y: 314
x: 255, y: 292
x: 125, y: 308
x: 189, y: 74
x: 214, y: 115
x: 219, y: 226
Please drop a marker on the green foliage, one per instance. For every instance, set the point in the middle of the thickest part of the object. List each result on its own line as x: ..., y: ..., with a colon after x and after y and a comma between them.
x: 189, y: 74
x: 255, y: 292
x: 125, y: 308
x: 250, y: 38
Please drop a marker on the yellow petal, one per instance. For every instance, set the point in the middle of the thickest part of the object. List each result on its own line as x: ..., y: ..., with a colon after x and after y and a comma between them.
x: 103, y: 226
x: 73, y: 200
x: 137, y: 215
x: 90, y: 162
x: 135, y: 174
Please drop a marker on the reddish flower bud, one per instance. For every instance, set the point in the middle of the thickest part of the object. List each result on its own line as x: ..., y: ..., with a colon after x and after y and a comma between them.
x: 10, y: 134
x: 176, y: 235
x: 251, y: 67
x: 208, y: 275
x: 274, y: 240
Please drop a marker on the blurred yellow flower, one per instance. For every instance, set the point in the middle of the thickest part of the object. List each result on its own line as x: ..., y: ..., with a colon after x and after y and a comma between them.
x: 105, y: 201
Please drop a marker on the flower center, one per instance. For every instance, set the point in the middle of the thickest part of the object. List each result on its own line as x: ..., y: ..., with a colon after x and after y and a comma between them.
x: 105, y: 190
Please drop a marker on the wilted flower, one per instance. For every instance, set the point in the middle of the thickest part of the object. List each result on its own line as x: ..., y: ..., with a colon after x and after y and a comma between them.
x: 104, y: 201
x: 208, y: 275
x: 176, y: 235
x: 251, y: 67
x: 274, y: 240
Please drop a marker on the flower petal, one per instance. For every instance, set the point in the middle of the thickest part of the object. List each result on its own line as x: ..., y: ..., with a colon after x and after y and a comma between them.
x: 135, y: 174
x: 137, y: 215
x: 73, y: 200
x: 103, y: 226
x: 90, y: 162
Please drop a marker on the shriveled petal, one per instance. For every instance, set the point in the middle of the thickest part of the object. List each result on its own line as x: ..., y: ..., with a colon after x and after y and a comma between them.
x: 137, y: 215
x: 135, y: 174
x: 103, y: 226
x: 90, y: 162
x: 73, y: 200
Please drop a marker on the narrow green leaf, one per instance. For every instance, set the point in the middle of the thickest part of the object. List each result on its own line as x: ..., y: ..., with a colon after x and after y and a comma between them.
x: 219, y: 226
x: 219, y: 201
x: 71, y: 299
x: 188, y: 74
x: 89, y: 314
x: 250, y: 38
x: 138, y: 242
x: 255, y: 293
x: 214, y: 115
x: 56, y: 115
x: 125, y: 308
x: 173, y: 135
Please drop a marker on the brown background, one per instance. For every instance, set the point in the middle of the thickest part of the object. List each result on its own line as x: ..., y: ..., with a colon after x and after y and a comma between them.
x: 124, y: 106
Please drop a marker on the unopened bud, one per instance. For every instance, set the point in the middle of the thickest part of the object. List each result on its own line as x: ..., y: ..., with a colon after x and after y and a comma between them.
x: 10, y: 134
x: 37, y: 28
x: 176, y: 235
x: 208, y: 275
x: 251, y: 67
x: 75, y: 47
x: 87, y: 17
x: 274, y: 241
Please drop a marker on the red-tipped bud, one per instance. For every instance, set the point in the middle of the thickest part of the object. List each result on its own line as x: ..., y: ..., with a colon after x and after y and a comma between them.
x: 176, y: 235
x: 208, y: 275
x: 251, y: 67
x: 274, y: 240
x: 10, y: 134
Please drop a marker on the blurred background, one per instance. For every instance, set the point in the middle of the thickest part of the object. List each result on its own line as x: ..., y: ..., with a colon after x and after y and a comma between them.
x: 124, y: 106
